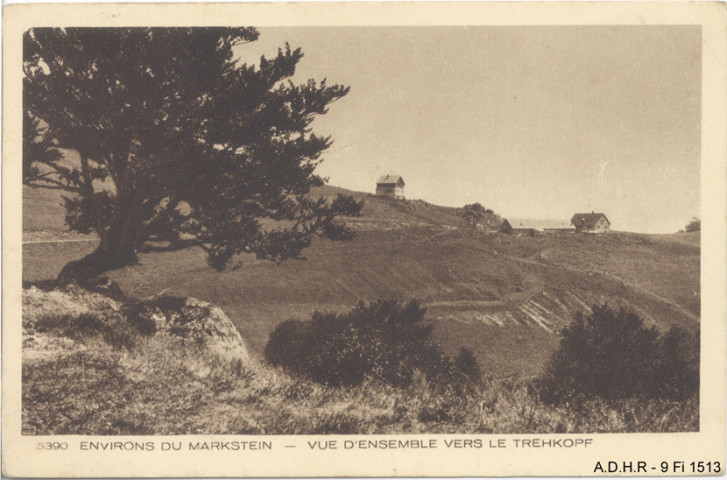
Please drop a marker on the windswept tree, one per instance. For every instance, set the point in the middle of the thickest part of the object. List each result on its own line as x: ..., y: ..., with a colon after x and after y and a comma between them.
x: 176, y: 139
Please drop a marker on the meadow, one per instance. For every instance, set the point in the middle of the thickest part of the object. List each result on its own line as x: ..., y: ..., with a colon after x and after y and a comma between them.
x: 505, y: 297
x: 90, y: 382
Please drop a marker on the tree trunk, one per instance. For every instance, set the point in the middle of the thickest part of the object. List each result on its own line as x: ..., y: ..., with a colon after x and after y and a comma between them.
x: 110, y: 254
x: 118, y: 239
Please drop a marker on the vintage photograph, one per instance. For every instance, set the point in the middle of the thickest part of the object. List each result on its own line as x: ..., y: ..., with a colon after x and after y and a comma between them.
x: 307, y: 240
x: 316, y: 230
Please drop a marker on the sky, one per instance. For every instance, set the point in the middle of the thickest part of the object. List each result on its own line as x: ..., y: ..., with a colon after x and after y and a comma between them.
x: 530, y: 121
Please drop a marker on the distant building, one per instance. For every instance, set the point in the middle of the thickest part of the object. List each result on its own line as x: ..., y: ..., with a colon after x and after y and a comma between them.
x: 390, y: 186
x: 505, y: 226
x: 536, y: 226
x: 591, y: 222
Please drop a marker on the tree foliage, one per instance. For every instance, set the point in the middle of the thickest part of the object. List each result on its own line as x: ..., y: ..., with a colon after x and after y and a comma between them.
x: 176, y: 139
x: 695, y: 225
x: 385, y: 340
x: 612, y: 354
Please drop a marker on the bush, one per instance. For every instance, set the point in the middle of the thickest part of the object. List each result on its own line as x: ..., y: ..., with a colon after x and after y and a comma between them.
x: 612, y: 354
x: 678, y: 363
x: 385, y: 340
x: 472, y: 213
x: 695, y: 225
x: 467, y: 364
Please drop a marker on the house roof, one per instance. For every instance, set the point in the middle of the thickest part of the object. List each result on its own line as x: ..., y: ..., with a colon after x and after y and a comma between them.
x: 390, y: 180
x: 587, y: 220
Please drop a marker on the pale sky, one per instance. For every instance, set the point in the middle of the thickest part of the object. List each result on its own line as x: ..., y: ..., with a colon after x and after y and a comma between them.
x: 532, y: 122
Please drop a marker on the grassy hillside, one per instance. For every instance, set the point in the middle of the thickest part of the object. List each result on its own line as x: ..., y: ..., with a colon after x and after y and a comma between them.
x: 87, y: 369
x: 503, y: 296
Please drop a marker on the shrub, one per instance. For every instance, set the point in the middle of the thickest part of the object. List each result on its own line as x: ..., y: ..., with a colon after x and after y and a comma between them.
x: 385, y: 340
x: 678, y: 363
x: 472, y: 213
x: 695, y: 225
x: 467, y: 364
x: 612, y: 354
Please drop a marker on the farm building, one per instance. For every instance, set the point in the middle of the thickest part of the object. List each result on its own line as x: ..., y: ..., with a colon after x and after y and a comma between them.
x: 591, y: 222
x: 390, y: 186
x: 536, y: 226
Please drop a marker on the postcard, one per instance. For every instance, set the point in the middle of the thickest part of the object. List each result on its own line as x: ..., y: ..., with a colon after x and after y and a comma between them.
x: 364, y: 239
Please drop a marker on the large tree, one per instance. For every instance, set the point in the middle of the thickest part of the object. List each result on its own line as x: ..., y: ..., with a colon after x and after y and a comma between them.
x: 176, y: 138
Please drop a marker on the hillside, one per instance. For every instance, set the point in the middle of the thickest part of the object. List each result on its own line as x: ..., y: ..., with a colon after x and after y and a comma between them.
x: 381, y: 213
x: 503, y: 296
x: 176, y: 366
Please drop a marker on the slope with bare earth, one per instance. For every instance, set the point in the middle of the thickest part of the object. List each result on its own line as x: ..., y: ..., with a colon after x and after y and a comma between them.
x: 505, y: 297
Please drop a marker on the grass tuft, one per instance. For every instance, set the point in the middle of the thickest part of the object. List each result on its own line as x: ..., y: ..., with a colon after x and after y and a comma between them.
x: 112, y: 329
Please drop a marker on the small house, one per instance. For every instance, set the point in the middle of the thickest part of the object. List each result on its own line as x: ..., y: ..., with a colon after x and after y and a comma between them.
x: 591, y: 222
x: 390, y: 186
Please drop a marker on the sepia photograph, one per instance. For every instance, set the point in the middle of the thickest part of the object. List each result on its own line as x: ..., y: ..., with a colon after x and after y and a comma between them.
x: 387, y: 232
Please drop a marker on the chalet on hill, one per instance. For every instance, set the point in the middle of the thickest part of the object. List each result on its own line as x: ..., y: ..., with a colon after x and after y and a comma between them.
x: 591, y: 222
x: 390, y: 186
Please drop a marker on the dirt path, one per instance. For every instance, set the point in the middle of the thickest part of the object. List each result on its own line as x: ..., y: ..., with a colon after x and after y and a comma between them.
x: 69, y: 240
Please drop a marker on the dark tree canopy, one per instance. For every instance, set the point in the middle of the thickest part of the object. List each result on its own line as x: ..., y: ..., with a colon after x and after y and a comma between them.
x: 695, y: 225
x: 177, y: 140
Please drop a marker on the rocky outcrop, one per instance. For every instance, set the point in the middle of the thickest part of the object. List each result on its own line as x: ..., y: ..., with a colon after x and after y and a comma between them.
x: 206, y: 329
x: 71, y: 301
x: 195, y: 321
